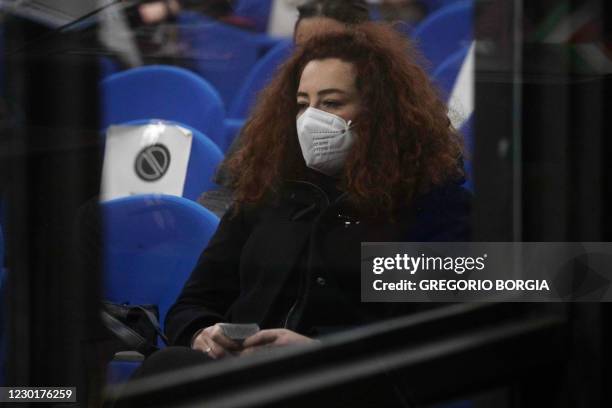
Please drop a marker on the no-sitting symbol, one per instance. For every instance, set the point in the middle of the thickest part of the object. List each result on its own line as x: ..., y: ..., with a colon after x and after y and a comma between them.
x: 152, y: 162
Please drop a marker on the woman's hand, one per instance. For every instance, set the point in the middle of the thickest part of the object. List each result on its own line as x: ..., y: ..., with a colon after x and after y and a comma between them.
x: 213, y: 342
x: 273, y: 338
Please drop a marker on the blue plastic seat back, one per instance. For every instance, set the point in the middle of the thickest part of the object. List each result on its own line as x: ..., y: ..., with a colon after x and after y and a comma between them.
x: 257, y: 11
x: 447, y: 72
x: 445, y: 31
x: 258, y: 78
x: 222, y: 54
x: 191, y: 19
x: 204, y: 158
x: 152, y: 243
x: 163, y: 92
x: 433, y: 5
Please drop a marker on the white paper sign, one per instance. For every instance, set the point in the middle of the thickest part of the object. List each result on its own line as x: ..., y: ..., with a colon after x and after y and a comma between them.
x: 461, y: 100
x: 145, y: 159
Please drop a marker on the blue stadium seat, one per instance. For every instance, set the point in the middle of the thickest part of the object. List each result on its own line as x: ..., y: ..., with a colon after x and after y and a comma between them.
x: 232, y: 129
x: 222, y: 54
x: 257, y: 11
x: 204, y: 158
x: 258, y: 78
x: 446, y: 73
x: 445, y: 31
x: 152, y: 243
x: 164, y: 92
x: 433, y: 5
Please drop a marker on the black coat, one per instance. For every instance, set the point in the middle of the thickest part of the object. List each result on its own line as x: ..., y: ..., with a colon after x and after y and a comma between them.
x: 296, y: 263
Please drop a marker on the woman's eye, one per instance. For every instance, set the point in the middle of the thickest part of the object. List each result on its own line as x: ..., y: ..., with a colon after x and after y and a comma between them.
x: 302, y: 105
x: 332, y: 104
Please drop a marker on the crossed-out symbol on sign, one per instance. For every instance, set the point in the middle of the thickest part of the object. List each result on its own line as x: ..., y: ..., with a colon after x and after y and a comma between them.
x: 152, y: 162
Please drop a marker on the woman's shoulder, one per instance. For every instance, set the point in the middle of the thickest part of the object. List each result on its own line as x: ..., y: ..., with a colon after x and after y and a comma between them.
x: 448, y: 197
x: 442, y: 214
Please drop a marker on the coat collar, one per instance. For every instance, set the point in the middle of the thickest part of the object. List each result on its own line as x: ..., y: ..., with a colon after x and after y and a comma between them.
x: 309, y: 198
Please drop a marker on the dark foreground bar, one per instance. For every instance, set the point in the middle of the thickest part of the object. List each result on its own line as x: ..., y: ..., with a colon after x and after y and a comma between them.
x: 431, y: 357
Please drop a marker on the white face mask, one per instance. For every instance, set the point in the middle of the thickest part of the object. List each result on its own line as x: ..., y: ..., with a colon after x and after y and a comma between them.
x: 325, y: 140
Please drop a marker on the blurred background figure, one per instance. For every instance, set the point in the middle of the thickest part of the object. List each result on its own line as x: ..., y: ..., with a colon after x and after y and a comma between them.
x: 158, y: 11
x: 285, y: 14
x: 409, y: 11
x: 321, y: 16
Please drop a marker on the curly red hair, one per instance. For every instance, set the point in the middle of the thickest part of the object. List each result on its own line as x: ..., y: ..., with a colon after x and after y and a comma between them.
x: 405, y: 143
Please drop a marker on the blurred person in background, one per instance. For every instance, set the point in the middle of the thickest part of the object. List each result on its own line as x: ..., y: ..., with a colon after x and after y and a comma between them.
x: 155, y: 27
x: 409, y: 11
x: 349, y: 143
x: 321, y: 16
x: 157, y: 11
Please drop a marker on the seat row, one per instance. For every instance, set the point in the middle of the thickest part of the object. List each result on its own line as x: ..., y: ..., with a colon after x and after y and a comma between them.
x: 238, y: 63
x: 224, y: 55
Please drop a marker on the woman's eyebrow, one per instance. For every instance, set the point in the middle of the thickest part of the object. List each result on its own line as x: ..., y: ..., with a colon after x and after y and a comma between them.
x: 323, y: 92
x: 330, y: 90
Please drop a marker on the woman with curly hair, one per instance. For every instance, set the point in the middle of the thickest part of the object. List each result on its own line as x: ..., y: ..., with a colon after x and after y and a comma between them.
x: 350, y: 143
x: 314, y: 17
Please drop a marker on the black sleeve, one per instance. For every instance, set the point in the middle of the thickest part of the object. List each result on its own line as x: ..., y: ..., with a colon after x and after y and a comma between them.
x: 213, y: 285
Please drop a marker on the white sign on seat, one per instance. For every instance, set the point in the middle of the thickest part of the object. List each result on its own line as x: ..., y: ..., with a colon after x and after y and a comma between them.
x: 145, y: 159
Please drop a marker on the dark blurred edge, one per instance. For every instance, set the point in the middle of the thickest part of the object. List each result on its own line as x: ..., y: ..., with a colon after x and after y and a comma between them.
x: 563, y: 175
x: 51, y: 165
x: 431, y: 357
